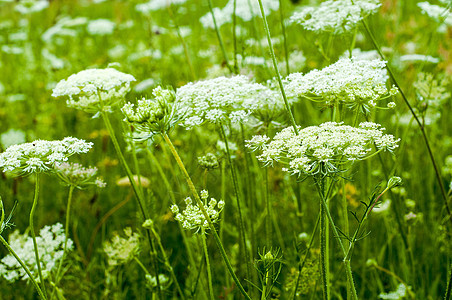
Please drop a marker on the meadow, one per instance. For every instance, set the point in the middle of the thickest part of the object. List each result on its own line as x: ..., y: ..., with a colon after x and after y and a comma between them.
x: 279, y: 150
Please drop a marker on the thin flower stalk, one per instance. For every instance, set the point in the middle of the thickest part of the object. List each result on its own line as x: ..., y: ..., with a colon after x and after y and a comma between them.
x: 206, y: 256
x: 206, y: 215
x: 220, y: 39
x: 238, y: 199
x: 135, y: 188
x: 275, y: 65
x: 32, y: 229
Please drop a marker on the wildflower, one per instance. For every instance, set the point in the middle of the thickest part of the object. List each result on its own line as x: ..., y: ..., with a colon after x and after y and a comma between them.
x: 31, y: 6
x: 153, y: 116
x: 100, y: 27
x: 50, y: 247
x: 193, y: 218
x: 357, y: 83
x: 93, y: 89
x: 327, y: 148
x: 399, y: 293
x: 436, y: 12
x: 40, y: 155
x: 121, y: 250
x: 245, y: 10
x: 335, y: 16
x: 76, y: 175
x: 220, y: 99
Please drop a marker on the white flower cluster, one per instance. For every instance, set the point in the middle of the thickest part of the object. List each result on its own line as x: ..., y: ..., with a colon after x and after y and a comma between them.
x: 147, y: 7
x: 245, y: 10
x: 121, y: 250
x: 193, y: 218
x: 101, y: 27
x: 50, y: 248
x: 31, y: 6
x: 357, y: 83
x: 222, y: 98
x: 399, y: 293
x: 77, y: 175
x: 91, y: 90
x: 65, y: 26
x: 335, y: 16
x: 326, y: 149
x: 436, y: 12
x: 40, y: 155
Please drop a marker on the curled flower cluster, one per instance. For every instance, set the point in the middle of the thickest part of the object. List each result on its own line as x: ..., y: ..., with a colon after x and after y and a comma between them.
x: 325, y: 149
x: 93, y: 89
x: 193, y: 218
x: 121, y: 250
x: 153, y: 116
x: 40, y: 155
x: 77, y: 175
x: 245, y: 10
x: 220, y: 99
x: 357, y: 83
x: 50, y: 247
x: 335, y: 16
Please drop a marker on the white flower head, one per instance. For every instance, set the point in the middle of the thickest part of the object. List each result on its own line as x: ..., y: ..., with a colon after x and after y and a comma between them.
x: 94, y: 89
x: 335, y: 16
x: 326, y: 149
x: 77, y: 175
x: 220, y: 99
x: 121, y: 250
x: 50, y: 246
x: 357, y: 83
x: 193, y: 218
x: 100, y: 27
x: 40, y: 155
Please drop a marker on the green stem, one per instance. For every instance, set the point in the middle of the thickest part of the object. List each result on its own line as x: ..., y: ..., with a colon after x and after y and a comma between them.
x: 32, y: 229
x: 220, y: 39
x: 283, y: 28
x: 265, y: 284
x: 68, y: 214
x: 337, y: 236
x: 206, y: 215
x: 238, y: 200
x: 184, y: 44
x: 36, y: 285
x: 268, y: 226
x: 234, y: 36
x: 449, y: 285
x: 209, y: 272
x: 135, y: 188
x: 166, y: 262
x: 419, y: 123
x: 323, y: 246
x: 275, y: 65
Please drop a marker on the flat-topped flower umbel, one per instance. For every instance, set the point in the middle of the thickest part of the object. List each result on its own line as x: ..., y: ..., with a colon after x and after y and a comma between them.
x: 326, y: 149
x: 357, y: 83
x: 41, y: 156
x: 335, y: 16
x: 220, y: 99
x: 94, y: 90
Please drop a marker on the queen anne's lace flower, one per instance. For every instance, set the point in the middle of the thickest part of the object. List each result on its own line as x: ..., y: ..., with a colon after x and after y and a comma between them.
x: 357, y: 83
x: 147, y: 7
x: 436, y: 12
x: 100, y: 27
x: 50, y: 247
x: 193, y: 218
x: 121, y: 250
x: 77, y: 175
x: 93, y: 89
x: 335, y: 16
x: 326, y: 149
x: 220, y: 99
x: 40, y: 155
